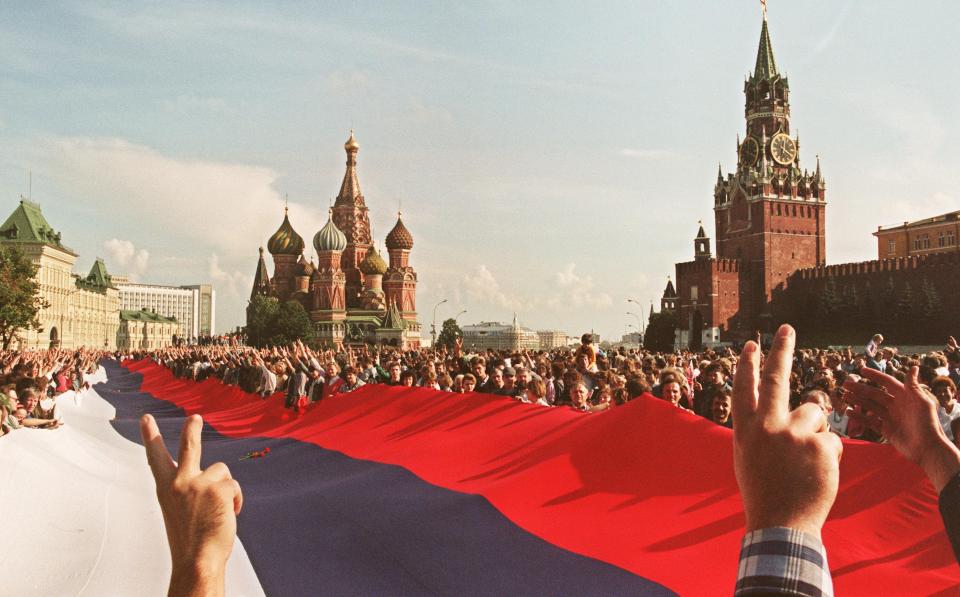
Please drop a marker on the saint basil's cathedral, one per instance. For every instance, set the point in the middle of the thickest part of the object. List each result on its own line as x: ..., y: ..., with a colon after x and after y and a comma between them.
x: 351, y: 294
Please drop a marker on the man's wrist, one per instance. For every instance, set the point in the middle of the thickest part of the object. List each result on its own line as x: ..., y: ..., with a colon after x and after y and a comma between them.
x: 198, y: 578
x: 940, y: 461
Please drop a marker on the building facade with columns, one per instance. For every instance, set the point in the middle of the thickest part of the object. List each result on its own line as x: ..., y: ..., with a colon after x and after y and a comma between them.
x: 353, y: 295
x: 145, y: 330
x: 79, y: 310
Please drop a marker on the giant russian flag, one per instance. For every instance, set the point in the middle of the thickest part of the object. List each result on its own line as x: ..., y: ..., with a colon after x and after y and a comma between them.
x: 411, y: 491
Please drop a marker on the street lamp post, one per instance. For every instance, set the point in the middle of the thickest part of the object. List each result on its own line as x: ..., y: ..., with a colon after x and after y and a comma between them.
x: 457, y: 316
x: 433, y: 327
x: 639, y: 322
x: 640, y: 307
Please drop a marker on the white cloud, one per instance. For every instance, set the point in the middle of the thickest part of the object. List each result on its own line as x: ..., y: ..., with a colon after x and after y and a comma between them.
x: 562, y: 293
x: 481, y: 286
x: 125, y: 259
x: 576, y: 291
x: 231, y: 208
x: 233, y: 284
x: 648, y: 154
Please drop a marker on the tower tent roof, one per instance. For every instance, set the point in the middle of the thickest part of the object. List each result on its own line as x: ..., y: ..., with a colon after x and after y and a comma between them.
x: 766, y: 67
x: 27, y: 224
x: 668, y: 292
x: 261, y: 279
x: 350, y: 187
x: 98, y: 275
x: 701, y: 233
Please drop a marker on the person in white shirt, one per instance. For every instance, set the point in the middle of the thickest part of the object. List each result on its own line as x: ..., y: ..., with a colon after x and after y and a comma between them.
x: 948, y: 410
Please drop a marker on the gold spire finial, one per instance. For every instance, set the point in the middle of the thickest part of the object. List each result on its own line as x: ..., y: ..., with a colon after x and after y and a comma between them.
x: 351, y: 144
x: 286, y: 203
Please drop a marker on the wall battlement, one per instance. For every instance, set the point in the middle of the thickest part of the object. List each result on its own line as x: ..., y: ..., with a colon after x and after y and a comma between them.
x: 897, y: 264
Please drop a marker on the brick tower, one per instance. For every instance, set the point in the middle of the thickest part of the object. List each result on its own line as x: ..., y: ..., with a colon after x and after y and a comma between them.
x: 769, y: 216
x: 351, y: 216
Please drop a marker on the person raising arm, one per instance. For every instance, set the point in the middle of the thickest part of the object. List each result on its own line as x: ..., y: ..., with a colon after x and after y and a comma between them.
x: 200, y: 509
x: 906, y: 414
x: 787, y: 466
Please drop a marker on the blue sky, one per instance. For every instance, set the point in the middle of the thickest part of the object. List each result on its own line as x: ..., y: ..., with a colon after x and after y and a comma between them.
x: 550, y: 158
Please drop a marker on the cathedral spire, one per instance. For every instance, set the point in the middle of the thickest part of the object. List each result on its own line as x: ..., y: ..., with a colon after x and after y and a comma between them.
x: 350, y: 188
x: 766, y: 67
x: 261, y: 279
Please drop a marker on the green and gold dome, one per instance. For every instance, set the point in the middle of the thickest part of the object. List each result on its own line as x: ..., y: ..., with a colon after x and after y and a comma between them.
x: 373, y: 264
x: 285, y: 241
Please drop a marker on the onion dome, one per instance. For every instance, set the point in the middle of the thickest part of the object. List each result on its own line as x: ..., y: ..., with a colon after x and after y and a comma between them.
x: 400, y: 237
x: 285, y: 241
x: 330, y: 238
x: 373, y: 264
x: 351, y: 144
x: 304, y: 267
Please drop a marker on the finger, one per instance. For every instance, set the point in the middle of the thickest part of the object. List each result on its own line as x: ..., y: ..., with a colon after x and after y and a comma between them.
x: 868, y: 420
x: 808, y: 418
x: 833, y: 443
x: 237, y: 496
x: 861, y: 391
x: 161, y: 464
x: 775, y: 381
x: 189, y: 459
x: 869, y: 405
x: 217, y: 471
x: 888, y: 383
x: 745, y: 383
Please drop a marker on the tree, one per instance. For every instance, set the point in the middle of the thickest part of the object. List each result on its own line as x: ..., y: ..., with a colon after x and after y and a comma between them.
x: 660, y: 333
x: 292, y: 323
x: 20, y: 303
x: 271, y: 323
x: 261, y: 313
x: 449, y: 332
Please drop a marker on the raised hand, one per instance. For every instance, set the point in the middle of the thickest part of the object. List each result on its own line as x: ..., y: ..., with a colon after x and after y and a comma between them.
x: 906, y: 414
x: 200, y: 509
x: 786, y: 463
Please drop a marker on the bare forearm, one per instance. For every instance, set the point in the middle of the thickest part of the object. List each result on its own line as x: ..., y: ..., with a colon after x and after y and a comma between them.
x: 941, y: 462
x: 195, y: 581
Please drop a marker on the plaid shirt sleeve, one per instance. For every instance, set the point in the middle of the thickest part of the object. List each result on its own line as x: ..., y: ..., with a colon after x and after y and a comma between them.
x: 781, y: 561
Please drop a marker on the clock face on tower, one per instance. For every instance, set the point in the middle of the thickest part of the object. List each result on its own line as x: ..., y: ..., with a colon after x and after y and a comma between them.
x: 749, y: 151
x: 783, y: 149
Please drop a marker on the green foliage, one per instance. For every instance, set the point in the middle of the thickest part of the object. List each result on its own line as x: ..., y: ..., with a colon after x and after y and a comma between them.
x: 449, y: 332
x: 20, y: 302
x: 270, y: 323
x: 660, y: 332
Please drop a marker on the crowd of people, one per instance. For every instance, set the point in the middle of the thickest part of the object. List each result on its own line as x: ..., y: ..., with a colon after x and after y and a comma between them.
x: 803, y: 396
x: 791, y: 406
x: 584, y: 377
x: 32, y: 381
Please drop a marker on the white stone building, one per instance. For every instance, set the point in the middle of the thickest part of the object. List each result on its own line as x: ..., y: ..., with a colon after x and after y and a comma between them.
x: 145, y: 330
x: 192, y: 306
x: 550, y: 339
x: 499, y: 336
x: 79, y: 311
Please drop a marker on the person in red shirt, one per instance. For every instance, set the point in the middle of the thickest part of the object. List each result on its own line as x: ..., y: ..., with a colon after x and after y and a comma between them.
x: 333, y: 381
